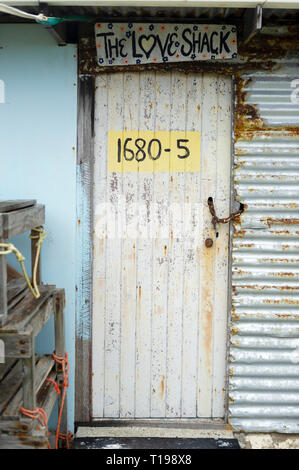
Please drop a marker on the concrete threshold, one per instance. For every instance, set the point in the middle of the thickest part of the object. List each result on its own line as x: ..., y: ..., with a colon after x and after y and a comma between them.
x: 155, y: 428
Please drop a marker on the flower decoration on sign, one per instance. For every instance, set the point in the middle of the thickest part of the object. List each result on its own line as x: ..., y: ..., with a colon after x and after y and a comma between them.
x: 151, y: 27
x: 234, y: 55
x: 165, y: 59
x: 193, y: 56
x: 130, y: 25
x: 195, y: 28
x: 128, y: 34
x: 163, y: 27
x: 110, y: 25
x: 140, y: 29
x: 138, y: 61
x: 101, y: 61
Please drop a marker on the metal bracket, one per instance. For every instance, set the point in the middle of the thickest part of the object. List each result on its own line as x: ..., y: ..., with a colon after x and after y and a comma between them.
x: 59, y: 31
x: 252, y: 22
x: 216, y: 220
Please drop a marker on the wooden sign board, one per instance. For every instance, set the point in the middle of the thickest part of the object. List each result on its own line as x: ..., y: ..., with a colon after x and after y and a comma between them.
x: 145, y: 43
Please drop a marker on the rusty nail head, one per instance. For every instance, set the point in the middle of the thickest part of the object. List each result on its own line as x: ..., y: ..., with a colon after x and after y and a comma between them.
x: 209, y: 242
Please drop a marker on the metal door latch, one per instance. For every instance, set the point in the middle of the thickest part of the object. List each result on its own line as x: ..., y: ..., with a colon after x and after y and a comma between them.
x: 216, y: 220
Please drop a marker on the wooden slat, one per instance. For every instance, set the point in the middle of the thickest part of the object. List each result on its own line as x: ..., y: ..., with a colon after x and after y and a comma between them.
x: 191, y: 254
x: 3, y: 291
x: 175, y: 256
x: 12, y: 273
x: 34, y: 250
x: 144, y: 281
x: 113, y: 260
x: 42, y: 370
x: 10, y: 384
x: 22, y: 220
x: 15, y: 287
x: 25, y: 311
x: 20, y: 441
x: 99, y: 247
x: 47, y: 396
x: 4, y: 368
x: 222, y: 243
x: 160, y: 257
x: 207, y: 255
x: 60, y: 352
x: 84, y: 257
x: 128, y: 250
x: 13, y: 205
x: 18, y: 344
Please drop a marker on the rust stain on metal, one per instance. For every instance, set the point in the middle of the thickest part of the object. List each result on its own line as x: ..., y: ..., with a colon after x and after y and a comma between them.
x: 234, y: 330
x: 248, y: 121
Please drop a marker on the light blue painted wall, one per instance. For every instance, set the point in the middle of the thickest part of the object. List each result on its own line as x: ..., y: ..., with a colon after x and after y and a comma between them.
x: 38, y: 126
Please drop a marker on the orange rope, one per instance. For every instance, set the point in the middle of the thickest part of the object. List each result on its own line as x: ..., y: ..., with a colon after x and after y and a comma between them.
x: 39, y: 414
x: 68, y: 437
x: 55, y: 385
x: 63, y: 361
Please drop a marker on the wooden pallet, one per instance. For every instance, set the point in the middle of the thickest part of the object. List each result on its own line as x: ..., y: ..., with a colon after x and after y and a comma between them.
x: 23, y: 375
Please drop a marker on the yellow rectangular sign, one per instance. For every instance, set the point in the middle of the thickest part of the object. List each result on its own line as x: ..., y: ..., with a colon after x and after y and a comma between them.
x: 153, y: 151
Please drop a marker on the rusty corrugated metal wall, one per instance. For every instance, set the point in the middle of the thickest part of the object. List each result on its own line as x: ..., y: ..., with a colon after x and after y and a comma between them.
x: 264, y: 354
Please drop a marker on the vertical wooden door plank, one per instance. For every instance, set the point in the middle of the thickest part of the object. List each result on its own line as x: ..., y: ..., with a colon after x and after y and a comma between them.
x: 128, y: 274
x: 100, y: 211
x: 222, y: 198
x: 113, y: 260
x: 207, y: 255
x: 160, y: 263
x: 192, y: 246
x: 147, y: 110
x: 175, y: 253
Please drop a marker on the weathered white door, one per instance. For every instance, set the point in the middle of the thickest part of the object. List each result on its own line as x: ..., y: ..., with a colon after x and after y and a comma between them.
x: 159, y: 294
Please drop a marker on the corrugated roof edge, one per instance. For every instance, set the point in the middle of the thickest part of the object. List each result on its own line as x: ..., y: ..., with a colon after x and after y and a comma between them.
x: 294, y: 4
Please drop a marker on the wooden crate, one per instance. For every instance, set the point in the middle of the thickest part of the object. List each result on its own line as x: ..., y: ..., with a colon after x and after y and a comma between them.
x: 16, y: 217
x: 23, y: 375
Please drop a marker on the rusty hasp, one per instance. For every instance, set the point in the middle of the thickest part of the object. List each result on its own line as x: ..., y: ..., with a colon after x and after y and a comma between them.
x: 216, y: 220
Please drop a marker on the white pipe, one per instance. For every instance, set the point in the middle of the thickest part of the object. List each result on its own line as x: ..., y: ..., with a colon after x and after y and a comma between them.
x: 16, y: 12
